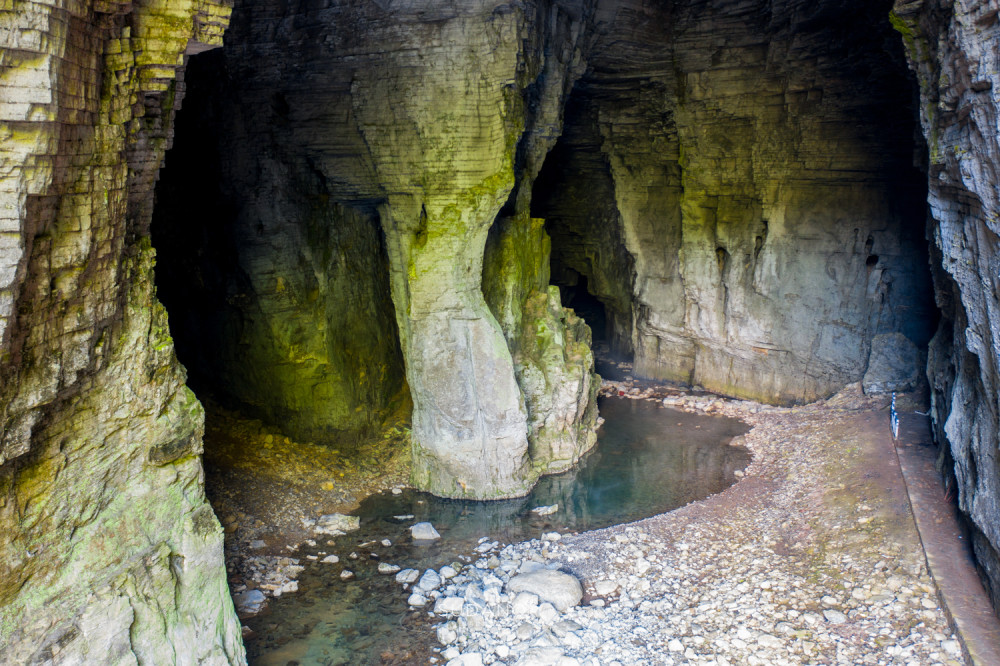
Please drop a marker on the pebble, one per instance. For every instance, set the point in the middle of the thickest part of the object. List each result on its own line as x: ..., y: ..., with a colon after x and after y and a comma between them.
x: 407, y: 576
x: 424, y: 532
x: 346, y: 574
x: 429, y: 581
x: 834, y: 616
x: 386, y: 568
x: 330, y: 559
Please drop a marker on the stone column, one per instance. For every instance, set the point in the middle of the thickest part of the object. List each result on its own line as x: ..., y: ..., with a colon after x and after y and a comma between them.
x: 440, y: 113
x: 469, y: 421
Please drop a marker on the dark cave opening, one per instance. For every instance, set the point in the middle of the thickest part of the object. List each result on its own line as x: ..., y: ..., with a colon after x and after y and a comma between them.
x: 586, y: 305
x: 277, y: 297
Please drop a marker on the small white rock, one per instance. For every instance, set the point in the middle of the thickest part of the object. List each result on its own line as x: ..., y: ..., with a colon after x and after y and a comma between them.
x: 424, y: 532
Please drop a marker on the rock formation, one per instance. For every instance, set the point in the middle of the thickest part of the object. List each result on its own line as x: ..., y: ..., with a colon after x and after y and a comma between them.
x: 718, y: 192
x: 363, y: 212
x: 427, y: 135
x: 109, y: 552
x: 952, y: 47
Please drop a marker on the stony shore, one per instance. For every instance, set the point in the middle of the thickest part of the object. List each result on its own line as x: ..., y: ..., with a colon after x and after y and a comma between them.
x: 812, y: 558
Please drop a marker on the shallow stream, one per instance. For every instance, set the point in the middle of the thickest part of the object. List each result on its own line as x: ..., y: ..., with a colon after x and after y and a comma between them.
x: 648, y: 460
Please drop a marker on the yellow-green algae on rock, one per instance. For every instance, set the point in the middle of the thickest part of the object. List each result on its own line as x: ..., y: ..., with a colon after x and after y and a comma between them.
x: 109, y: 552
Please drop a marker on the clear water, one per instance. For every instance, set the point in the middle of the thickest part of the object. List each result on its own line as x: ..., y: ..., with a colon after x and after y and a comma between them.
x: 648, y: 460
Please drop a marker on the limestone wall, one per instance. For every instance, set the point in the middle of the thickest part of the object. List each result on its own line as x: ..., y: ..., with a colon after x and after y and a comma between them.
x: 422, y: 122
x: 756, y: 161
x: 109, y: 552
x: 952, y: 46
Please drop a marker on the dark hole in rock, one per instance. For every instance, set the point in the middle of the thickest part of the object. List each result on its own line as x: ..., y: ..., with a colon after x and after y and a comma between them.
x: 277, y: 295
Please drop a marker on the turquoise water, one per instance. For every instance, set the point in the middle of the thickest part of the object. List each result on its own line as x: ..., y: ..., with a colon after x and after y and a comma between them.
x: 648, y: 460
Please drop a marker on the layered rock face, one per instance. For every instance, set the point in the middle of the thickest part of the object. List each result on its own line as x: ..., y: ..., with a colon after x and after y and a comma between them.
x: 278, y: 293
x: 109, y: 552
x: 952, y: 47
x: 737, y: 185
x: 423, y: 120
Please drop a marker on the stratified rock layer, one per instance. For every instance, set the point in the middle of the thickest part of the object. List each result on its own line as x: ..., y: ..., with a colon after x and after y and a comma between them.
x: 952, y: 47
x: 736, y: 184
x: 109, y: 552
x: 424, y: 121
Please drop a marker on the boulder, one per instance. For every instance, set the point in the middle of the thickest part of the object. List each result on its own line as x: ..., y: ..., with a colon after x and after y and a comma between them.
x: 560, y: 589
x: 893, y: 365
x: 424, y: 532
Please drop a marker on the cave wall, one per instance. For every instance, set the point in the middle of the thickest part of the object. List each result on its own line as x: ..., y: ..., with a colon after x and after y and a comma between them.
x: 109, y: 552
x: 952, y: 47
x: 425, y: 119
x: 757, y: 160
x: 277, y: 292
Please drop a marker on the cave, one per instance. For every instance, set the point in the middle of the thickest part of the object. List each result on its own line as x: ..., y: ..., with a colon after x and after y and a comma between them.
x: 277, y: 294
x: 432, y: 227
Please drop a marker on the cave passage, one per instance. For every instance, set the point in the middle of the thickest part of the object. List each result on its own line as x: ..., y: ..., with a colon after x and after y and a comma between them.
x: 277, y: 296
x: 588, y: 306
x: 751, y: 221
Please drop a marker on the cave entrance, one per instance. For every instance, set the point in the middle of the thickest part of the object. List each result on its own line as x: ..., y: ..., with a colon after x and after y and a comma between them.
x: 577, y: 296
x: 575, y: 194
x: 752, y: 222
x: 277, y: 294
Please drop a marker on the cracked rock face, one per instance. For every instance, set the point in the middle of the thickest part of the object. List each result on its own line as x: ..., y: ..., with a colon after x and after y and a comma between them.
x: 952, y: 49
x: 109, y: 552
x: 736, y: 184
x: 424, y: 121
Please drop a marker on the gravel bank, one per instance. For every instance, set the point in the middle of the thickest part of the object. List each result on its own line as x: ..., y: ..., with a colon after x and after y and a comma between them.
x: 812, y: 558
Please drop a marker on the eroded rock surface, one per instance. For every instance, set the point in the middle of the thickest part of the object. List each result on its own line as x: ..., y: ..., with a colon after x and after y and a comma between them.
x: 424, y: 121
x: 109, y: 552
x: 952, y: 48
x: 719, y: 192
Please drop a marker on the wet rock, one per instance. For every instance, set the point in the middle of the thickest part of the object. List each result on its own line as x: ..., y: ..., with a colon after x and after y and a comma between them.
x: 336, y: 524
x: 424, y: 532
x: 545, y: 510
x: 429, y: 581
x: 407, y: 576
x: 386, y: 568
x: 249, y: 602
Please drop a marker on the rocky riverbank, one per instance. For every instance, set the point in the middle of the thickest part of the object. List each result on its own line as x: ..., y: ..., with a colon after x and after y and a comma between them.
x: 813, y: 558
